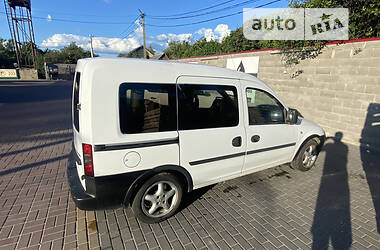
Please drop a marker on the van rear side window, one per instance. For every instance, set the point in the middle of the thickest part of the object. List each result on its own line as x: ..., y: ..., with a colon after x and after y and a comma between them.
x: 145, y: 108
x: 207, y: 106
x: 76, y: 101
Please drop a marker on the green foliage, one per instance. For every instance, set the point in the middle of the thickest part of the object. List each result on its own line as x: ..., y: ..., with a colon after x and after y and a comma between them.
x: 7, y: 55
x: 202, y: 48
x: 177, y: 49
x: 69, y: 54
x: 236, y: 42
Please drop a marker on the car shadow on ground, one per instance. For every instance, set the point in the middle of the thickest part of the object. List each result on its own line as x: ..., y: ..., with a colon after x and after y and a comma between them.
x: 332, y: 218
x: 194, y: 195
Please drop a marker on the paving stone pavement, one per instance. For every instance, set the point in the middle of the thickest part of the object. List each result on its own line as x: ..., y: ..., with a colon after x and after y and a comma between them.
x: 333, y: 205
x: 281, y: 208
x: 35, y: 141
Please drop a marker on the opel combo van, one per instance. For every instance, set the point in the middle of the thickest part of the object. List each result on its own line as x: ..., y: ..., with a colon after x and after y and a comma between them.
x: 148, y: 132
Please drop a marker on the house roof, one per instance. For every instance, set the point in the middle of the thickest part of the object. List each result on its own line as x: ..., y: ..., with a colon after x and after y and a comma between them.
x: 161, y: 56
x: 149, y: 54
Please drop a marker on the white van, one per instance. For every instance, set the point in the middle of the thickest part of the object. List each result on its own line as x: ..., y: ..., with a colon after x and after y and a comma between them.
x: 147, y: 132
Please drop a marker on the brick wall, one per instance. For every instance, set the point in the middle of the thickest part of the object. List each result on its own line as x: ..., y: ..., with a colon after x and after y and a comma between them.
x: 339, y: 88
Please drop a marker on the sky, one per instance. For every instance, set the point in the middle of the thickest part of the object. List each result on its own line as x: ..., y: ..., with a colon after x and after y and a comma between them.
x: 116, y: 28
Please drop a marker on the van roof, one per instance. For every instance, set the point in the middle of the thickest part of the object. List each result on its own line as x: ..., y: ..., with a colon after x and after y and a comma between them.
x: 180, y: 68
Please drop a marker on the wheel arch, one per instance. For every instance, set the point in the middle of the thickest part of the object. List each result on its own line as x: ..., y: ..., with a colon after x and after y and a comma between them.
x: 321, y: 139
x: 179, y: 171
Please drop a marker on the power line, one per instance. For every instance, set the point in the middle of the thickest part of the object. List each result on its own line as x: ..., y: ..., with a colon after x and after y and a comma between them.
x: 195, y: 11
x: 132, y: 23
x: 211, y: 19
x: 206, y: 13
x: 76, y: 14
x: 128, y: 34
x: 75, y: 21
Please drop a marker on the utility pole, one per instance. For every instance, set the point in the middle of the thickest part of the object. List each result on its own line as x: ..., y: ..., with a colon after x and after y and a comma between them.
x: 92, y: 49
x: 144, y: 35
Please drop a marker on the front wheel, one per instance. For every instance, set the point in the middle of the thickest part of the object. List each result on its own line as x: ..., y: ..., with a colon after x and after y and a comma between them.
x: 307, y: 156
x: 158, y: 198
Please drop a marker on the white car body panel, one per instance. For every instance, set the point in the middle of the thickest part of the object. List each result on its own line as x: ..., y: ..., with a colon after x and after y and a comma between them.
x: 99, y: 123
x: 201, y: 144
x: 271, y: 135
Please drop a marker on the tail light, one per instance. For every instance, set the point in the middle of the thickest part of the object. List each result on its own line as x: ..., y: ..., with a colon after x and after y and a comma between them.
x: 88, y: 160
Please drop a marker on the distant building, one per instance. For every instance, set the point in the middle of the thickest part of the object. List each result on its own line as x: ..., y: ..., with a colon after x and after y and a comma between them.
x: 139, y: 53
x: 161, y: 56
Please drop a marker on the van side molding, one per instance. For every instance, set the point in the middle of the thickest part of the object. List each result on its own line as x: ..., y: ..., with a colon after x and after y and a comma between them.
x: 109, y: 147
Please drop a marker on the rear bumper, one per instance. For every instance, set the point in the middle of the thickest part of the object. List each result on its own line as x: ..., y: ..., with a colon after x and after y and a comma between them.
x: 101, y: 192
x: 81, y: 199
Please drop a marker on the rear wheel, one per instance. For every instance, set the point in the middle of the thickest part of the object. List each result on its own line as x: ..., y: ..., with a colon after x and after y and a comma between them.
x: 307, y: 156
x: 158, y: 198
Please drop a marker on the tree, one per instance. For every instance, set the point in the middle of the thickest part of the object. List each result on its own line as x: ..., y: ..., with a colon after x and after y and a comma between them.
x: 177, y: 49
x: 7, y: 54
x: 69, y: 54
x: 72, y: 53
x: 236, y: 42
x: 202, y: 47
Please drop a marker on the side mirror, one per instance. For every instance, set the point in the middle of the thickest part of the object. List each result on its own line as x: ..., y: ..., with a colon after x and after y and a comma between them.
x: 276, y: 116
x: 292, y: 116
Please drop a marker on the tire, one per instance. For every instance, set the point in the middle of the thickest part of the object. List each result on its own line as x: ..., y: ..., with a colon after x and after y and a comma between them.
x: 307, y: 156
x: 165, y: 191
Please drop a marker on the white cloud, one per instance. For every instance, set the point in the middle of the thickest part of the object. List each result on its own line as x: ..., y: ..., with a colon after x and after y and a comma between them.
x: 217, y: 34
x: 100, y: 44
x: 207, y: 33
x: 48, y: 18
x: 222, y: 31
x: 124, y: 45
x: 161, y: 42
x: 161, y: 37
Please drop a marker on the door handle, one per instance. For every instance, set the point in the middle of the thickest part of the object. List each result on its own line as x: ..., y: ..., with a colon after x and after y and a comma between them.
x: 255, y: 138
x: 236, y: 142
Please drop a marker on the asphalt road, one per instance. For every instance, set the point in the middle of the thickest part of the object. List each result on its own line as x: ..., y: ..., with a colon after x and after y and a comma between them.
x: 29, y: 108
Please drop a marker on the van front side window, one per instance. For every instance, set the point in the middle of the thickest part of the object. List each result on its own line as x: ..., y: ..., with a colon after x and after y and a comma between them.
x: 263, y: 108
x: 146, y: 108
x: 207, y: 106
